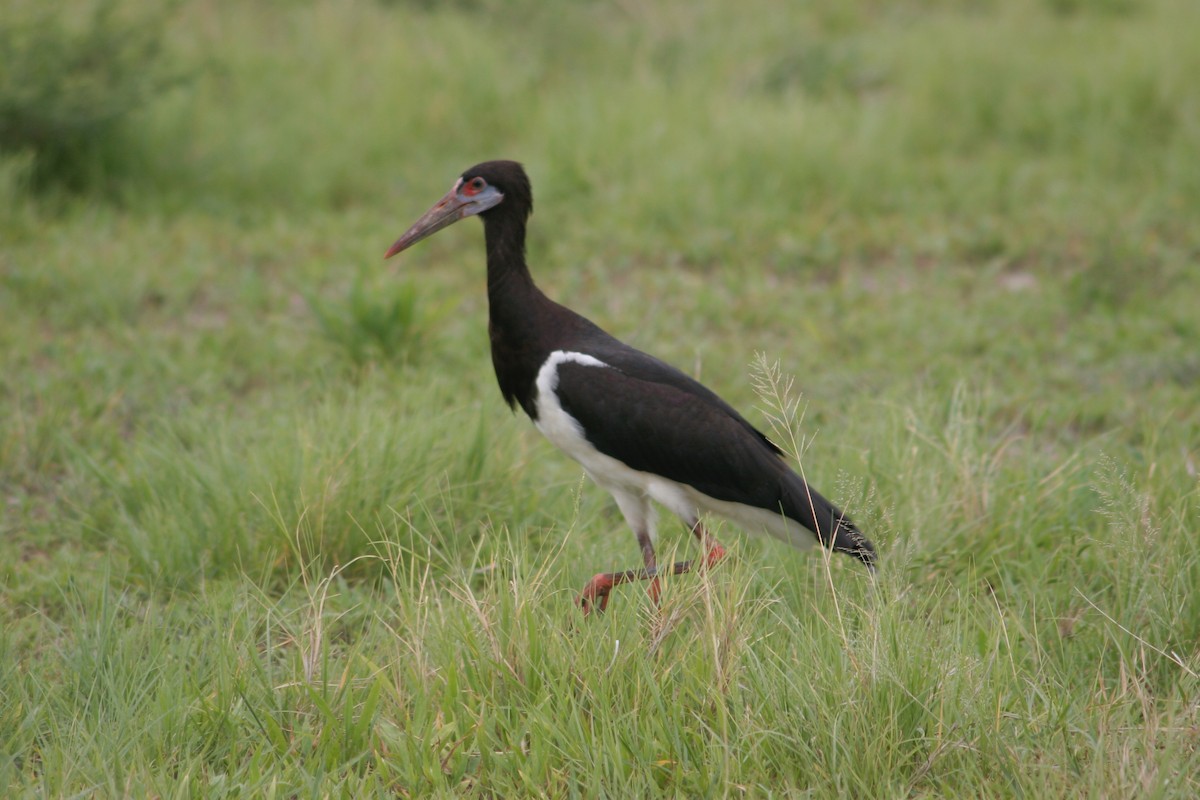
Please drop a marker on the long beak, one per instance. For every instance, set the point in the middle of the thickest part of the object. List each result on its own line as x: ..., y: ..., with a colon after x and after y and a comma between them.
x: 447, y: 211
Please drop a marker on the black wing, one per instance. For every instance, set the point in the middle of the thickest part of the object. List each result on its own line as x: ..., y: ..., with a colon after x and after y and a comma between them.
x: 654, y: 418
x: 641, y: 366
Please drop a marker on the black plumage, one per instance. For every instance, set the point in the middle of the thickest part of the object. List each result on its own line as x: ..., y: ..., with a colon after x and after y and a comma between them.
x: 642, y: 428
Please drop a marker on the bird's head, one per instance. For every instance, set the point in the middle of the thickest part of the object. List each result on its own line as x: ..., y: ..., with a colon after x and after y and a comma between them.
x: 485, y: 189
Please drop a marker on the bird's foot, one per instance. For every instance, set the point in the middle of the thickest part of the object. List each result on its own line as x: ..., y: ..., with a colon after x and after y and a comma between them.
x: 716, y: 554
x: 594, y: 596
x: 654, y: 590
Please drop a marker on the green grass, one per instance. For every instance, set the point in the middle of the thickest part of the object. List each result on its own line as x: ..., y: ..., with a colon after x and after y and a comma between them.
x: 268, y: 530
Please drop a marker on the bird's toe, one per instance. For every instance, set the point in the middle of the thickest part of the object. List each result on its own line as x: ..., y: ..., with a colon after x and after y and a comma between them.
x: 594, y: 596
x: 716, y: 553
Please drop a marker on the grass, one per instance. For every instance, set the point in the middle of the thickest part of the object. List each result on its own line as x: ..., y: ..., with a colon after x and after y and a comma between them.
x: 268, y: 530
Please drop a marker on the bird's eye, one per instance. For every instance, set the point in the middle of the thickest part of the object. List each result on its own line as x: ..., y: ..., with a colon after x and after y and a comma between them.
x: 474, y: 187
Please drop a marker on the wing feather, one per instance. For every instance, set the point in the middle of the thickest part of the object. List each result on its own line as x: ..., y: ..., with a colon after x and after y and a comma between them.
x: 658, y: 422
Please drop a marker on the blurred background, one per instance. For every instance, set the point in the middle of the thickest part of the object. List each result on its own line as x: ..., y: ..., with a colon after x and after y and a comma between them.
x: 910, y: 206
x: 946, y: 251
x: 986, y: 127
x: 890, y: 197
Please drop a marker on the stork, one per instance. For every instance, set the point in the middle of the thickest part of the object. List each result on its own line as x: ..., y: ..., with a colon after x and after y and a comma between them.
x: 642, y: 429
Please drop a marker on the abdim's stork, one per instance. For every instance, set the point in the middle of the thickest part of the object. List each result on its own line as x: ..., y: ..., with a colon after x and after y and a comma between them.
x: 642, y: 429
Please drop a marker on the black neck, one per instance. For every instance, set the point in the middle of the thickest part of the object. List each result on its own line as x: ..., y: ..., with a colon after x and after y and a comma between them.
x: 520, y: 318
x: 506, y: 268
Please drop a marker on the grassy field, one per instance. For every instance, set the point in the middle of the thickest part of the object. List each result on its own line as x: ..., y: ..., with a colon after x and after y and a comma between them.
x: 267, y: 528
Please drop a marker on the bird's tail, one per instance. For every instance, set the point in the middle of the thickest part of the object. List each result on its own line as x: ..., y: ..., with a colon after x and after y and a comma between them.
x: 833, y: 528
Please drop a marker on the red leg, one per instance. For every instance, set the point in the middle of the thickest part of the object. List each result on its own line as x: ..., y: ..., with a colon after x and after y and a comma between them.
x: 651, y: 562
x: 595, y: 594
x: 713, y: 551
x: 597, y: 590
